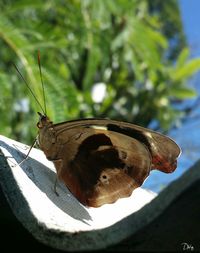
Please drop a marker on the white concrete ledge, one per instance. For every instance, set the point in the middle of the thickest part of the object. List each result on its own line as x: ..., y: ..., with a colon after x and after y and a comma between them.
x: 61, y: 221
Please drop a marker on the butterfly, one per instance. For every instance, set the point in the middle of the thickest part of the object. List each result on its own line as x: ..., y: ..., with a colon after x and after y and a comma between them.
x: 102, y: 160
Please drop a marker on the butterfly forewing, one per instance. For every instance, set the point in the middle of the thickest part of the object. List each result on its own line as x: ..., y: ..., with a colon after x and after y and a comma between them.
x: 164, y: 150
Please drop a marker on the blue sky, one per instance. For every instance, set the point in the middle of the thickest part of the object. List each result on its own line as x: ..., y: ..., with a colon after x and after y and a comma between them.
x: 190, y: 10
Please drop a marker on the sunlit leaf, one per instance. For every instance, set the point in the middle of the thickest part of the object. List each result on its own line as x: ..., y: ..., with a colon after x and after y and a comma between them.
x: 187, y: 70
x: 182, y: 92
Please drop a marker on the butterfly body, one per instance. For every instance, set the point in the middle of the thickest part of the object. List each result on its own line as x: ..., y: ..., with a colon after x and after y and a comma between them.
x: 102, y: 160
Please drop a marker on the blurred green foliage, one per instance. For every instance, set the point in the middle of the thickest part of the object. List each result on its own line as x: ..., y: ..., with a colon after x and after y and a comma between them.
x: 135, y: 47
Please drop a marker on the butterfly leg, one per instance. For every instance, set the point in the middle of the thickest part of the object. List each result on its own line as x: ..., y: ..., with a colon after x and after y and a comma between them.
x: 57, y: 163
x: 54, y: 187
x: 28, y: 151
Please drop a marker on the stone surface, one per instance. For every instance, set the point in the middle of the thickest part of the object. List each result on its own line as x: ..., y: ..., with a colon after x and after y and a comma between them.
x: 62, y: 222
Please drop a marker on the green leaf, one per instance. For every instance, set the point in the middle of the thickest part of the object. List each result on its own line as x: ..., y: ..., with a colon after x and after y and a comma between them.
x: 187, y: 70
x: 182, y: 58
x: 182, y: 92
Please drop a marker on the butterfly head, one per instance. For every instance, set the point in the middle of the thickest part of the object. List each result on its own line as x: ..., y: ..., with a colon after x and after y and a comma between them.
x: 43, y: 120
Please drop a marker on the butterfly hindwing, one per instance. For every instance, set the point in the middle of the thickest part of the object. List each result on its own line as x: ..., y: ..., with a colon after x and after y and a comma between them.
x: 106, y: 165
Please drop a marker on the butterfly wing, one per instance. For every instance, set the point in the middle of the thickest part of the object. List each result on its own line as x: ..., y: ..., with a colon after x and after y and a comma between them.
x: 102, y: 160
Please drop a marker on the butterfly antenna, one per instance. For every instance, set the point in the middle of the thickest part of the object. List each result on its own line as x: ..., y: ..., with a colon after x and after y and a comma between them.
x: 29, y: 88
x: 40, y: 69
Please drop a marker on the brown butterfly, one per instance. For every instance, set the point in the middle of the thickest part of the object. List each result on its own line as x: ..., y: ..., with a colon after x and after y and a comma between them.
x: 102, y: 160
